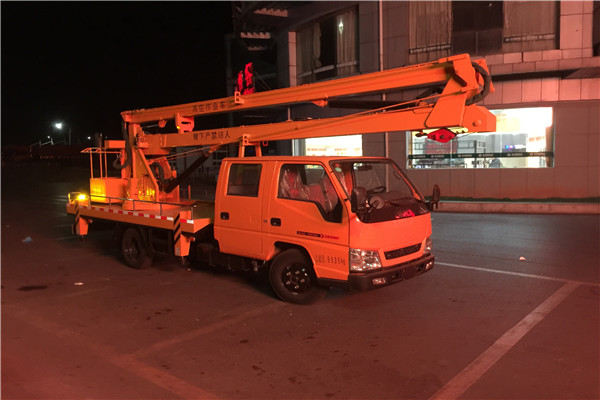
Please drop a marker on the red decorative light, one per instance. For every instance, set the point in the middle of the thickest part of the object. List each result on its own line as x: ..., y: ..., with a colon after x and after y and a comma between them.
x: 249, y: 76
x: 245, y: 80
x: 442, y: 135
x: 408, y: 214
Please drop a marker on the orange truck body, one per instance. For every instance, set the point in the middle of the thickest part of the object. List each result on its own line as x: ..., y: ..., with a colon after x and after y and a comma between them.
x: 252, y: 220
x: 312, y: 222
x: 270, y: 222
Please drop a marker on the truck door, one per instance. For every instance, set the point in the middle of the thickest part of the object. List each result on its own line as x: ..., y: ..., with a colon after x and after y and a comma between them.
x: 238, y: 209
x: 305, y: 209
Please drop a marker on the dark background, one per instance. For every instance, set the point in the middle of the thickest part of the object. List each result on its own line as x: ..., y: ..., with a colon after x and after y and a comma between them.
x: 83, y: 63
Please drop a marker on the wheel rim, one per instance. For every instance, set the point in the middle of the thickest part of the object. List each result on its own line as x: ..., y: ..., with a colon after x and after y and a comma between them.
x: 132, y: 250
x: 295, y: 278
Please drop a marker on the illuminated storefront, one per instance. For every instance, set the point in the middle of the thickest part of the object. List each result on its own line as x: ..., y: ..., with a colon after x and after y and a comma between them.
x: 334, y: 146
x: 546, y: 94
x: 524, y: 139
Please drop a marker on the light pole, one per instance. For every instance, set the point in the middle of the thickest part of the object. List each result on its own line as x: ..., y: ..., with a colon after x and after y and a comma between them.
x: 59, y: 126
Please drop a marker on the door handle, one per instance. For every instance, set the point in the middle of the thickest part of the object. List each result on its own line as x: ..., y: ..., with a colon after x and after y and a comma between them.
x: 276, y: 221
x: 225, y: 215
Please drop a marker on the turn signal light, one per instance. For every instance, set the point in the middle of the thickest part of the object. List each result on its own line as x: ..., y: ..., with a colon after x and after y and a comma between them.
x: 77, y: 196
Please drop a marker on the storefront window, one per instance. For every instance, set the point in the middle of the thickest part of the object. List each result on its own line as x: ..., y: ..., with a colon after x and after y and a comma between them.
x: 334, y: 146
x: 524, y: 139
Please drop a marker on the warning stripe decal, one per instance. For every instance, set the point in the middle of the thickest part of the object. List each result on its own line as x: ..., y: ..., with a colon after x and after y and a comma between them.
x: 176, y: 220
x: 134, y: 213
x: 77, y: 216
x: 177, y: 233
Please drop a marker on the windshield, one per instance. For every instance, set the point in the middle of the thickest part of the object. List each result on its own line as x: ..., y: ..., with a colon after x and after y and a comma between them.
x: 377, y: 177
x: 390, y: 195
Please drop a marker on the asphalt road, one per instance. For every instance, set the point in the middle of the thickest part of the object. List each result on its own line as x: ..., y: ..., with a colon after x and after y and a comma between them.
x: 511, y: 311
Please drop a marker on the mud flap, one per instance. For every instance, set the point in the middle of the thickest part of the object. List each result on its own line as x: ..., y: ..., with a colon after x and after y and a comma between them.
x: 181, y: 242
x: 80, y: 227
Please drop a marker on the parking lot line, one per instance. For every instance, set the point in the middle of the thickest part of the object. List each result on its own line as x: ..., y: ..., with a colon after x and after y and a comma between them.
x: 71, y: 237
x: 63, y: 226
x: 151, y: 374
x: 475, y: 370
x: 499, y: 271
x: 206, y: 329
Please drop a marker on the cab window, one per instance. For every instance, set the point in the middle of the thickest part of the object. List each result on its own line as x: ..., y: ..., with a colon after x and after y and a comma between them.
x: 244, y: 180
x: 309, y: 182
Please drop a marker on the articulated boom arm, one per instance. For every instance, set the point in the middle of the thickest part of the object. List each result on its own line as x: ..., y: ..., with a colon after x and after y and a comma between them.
x: 461, y: 76
x: 464, y: 82
x: 474, y: 118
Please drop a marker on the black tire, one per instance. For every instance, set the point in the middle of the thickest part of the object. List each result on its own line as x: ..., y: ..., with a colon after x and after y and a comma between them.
x: 134, y: 249
x: 293, y: 280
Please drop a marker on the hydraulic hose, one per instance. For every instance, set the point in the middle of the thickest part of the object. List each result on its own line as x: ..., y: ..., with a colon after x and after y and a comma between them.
x: 158, y: 171
x: 487, y: 83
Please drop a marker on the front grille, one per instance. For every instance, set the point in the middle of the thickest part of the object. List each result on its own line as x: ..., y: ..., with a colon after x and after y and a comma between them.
x: 390, y: 255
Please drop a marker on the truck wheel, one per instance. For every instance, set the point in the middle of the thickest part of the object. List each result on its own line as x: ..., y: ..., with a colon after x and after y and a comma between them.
x: 134, y: 249
x: 293, y: 279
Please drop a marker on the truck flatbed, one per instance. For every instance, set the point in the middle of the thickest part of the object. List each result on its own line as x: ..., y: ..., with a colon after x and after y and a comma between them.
x: 166, y: 217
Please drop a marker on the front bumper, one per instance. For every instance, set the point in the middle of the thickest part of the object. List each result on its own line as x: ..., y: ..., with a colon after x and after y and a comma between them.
x: 387, y: 276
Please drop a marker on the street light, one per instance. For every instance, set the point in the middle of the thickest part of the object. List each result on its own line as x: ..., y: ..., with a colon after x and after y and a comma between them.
x: 59, y: 126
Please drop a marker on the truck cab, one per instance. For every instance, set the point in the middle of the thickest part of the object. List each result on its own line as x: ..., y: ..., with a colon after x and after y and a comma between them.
x: 355, y: 223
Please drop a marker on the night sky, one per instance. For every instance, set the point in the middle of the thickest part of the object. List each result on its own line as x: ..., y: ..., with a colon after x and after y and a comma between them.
x: 83, y: 63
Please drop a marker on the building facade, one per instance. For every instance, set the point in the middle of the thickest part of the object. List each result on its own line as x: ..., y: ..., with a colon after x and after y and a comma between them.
x: 544, y: 59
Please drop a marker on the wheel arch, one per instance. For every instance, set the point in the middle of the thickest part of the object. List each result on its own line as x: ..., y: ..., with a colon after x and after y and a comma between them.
x: 121, y: 227
x: 292, y: 276
x: 281, y: 246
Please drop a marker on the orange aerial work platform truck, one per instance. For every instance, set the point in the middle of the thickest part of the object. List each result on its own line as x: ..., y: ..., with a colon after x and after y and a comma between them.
x: 310, y: 222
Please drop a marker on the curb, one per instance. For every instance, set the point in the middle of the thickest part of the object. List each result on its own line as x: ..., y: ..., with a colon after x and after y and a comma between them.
x: 519, y: 208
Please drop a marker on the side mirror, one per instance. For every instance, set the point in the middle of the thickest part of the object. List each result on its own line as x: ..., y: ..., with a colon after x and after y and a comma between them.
x: 358, y: 199
x: 435, y: 198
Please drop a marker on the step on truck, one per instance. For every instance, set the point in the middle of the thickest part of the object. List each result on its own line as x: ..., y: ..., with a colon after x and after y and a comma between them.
x: 309, y: 222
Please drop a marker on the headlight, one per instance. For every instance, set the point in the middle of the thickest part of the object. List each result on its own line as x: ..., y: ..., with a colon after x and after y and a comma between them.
x: 364, y: 260
x: 428, y: 245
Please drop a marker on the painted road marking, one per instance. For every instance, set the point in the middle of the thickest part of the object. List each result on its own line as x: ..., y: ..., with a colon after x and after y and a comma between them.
x: 205, y: 329
x: 499, y: 271
x: 72, y: 237
x: 153, y: 375
x: 458, y: 385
